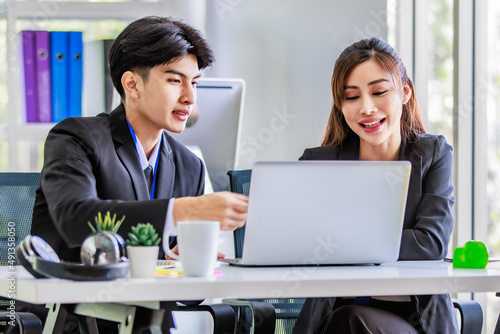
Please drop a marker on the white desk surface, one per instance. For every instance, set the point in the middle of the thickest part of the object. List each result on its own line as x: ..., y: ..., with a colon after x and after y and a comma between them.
x: 401, y: 278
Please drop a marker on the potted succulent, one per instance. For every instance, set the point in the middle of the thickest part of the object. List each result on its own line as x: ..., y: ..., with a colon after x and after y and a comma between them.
x: 106, y: 224
x: 104, y: 245
x: 142, y: 250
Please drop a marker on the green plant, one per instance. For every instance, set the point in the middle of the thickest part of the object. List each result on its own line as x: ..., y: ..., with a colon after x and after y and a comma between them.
x: 108, y: 224
x: 143, y: 235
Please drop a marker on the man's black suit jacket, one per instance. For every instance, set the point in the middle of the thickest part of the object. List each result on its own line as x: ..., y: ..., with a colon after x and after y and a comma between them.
x: 91, y: 165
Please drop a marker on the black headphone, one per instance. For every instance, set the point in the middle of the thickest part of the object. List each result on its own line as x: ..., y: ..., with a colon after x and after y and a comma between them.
x: 102, y: 254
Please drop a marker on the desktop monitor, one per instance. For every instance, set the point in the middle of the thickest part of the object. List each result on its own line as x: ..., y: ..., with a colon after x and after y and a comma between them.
x: 214, y: 126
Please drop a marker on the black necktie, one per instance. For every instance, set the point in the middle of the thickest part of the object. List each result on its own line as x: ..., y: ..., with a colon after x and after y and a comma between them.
x: 147, y: 174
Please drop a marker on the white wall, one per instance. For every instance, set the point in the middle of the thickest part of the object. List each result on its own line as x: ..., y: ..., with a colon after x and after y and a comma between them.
x: 285, y: 51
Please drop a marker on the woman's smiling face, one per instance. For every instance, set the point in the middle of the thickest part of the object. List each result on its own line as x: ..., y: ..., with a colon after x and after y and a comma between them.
x: 373, y: 105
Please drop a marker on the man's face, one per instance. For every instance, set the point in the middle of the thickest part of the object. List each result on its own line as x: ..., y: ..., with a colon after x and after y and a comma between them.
x: 167, y: 97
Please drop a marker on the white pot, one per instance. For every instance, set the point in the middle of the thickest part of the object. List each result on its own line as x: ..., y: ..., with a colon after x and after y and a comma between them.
x: 142, y: 260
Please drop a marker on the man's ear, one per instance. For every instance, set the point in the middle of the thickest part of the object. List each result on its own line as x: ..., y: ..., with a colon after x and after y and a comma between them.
x: 130, y: 83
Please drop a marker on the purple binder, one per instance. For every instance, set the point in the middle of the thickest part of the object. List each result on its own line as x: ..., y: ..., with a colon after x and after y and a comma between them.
x: 30, y: 93
x: 43, y: 76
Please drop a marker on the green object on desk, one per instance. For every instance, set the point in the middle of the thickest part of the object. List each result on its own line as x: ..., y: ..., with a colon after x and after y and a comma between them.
x: 473, y: 255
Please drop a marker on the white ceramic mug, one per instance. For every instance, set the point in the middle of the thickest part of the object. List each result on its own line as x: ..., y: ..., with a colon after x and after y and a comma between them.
x: 197, y: 244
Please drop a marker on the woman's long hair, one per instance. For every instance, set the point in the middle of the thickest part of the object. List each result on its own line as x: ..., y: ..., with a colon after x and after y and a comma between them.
x: 381, y: 52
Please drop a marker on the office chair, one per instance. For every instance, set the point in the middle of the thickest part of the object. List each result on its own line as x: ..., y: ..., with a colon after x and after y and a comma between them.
x: 497, y: 325
x: 17, y: 197
x: 287, y: 310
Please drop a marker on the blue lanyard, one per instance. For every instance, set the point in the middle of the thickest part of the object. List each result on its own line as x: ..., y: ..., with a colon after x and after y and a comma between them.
x: 153, y: 186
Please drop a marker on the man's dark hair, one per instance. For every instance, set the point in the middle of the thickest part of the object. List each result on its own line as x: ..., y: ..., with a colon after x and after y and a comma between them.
x: 153, y: 41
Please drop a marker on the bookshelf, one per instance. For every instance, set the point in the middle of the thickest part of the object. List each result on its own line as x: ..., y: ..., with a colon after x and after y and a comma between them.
x: 23, y: 138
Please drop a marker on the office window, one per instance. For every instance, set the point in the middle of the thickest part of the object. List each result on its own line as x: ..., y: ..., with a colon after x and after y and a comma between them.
x: 440, y: 68
x: 432, y: 68
x: 488, y: 103
x: 392, y: 17
x: 492, y: 92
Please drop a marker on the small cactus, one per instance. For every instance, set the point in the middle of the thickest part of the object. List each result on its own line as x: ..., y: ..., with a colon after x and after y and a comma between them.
x: 143, y: 235
x: 108, y: 224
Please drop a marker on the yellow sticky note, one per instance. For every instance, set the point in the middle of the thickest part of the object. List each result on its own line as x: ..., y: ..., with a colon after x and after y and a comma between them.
x: 168, y: 271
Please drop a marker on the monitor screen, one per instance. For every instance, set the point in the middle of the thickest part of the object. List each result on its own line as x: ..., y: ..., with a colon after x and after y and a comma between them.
x: 214, y: 126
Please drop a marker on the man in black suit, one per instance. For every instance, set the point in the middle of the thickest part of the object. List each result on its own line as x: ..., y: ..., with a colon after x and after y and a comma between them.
x: 96, y: 164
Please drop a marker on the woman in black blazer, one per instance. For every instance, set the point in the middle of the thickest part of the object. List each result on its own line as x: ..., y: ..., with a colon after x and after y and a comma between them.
x: 375, y: 116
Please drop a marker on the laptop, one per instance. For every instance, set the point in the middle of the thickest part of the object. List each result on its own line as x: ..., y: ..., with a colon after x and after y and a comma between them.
x: 325, y: 213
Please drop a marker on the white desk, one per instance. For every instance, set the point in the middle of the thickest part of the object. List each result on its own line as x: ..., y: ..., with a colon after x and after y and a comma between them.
x: 401, y: 278
x: 116, y: 300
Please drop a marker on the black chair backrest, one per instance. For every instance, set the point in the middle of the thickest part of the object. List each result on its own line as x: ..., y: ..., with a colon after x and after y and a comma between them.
x: 288, y: 309
x: 239, y: 182
x: 17, y: 198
